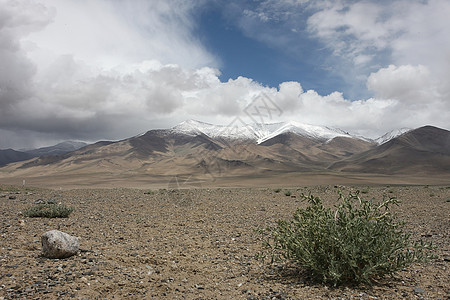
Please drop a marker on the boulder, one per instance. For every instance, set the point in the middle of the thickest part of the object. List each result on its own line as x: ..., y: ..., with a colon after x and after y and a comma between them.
x: 58, y: 244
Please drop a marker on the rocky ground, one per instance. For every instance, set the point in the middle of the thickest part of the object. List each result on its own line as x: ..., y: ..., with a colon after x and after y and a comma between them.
x: 195, y: 244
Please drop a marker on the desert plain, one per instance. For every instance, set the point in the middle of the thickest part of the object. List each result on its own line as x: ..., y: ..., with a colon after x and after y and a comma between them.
x: 199, y: 242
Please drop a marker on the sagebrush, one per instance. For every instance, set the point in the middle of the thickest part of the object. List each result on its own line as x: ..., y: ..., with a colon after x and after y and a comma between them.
x: 48, y: 210
x: 358, y: 241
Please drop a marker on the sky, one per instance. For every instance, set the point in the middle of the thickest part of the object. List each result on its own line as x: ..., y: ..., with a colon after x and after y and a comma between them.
x: 110, y: 69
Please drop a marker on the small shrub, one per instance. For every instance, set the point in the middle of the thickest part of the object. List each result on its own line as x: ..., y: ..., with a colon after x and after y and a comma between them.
x: 48, y: 211
x: 287, y: 193
x: 277, y: 190
x: 357, y: 242
x: 365, y: 191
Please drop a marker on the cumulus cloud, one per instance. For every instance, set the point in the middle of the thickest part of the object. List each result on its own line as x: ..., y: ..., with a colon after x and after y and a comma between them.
x: 412, y: 32
x: 396, y: 50
x: 17, y: 70
x: 81, y: 69
x: 406, y: 83
x: 108, y: 33
x: 113, y: 76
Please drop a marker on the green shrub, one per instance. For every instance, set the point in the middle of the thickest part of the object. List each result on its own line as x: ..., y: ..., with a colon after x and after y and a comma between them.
x: 48, y: 211
x: 277, y: 190
x: 357, y: 242
x: 287, y: 193
x: 365, y: 191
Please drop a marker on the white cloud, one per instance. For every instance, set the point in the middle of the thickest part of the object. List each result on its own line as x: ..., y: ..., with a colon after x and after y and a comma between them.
x: 412, y: 36
x: 407, y: 83
x: 75, y: 68
x: 111, y: 77
x: 340, y: 25
x: 109, y: 33
x: 411, y: 32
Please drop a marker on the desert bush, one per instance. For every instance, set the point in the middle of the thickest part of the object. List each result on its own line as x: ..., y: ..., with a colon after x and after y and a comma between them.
x: 287, y: 193
x: 365, y: 191
x: 277, y: 190
x: 48, y: 210
x: 356, y: 242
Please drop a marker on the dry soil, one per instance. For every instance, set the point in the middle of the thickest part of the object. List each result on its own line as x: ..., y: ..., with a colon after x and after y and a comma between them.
x: 196, y: 244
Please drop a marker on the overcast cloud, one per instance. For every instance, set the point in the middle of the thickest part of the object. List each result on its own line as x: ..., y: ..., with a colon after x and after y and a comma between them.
x: 91, y: 70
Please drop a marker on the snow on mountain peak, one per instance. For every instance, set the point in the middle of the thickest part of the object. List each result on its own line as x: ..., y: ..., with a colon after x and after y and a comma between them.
x: 193, y: 127
x: 391, y: 134
x: 314, y: 131
x: 258, y: 132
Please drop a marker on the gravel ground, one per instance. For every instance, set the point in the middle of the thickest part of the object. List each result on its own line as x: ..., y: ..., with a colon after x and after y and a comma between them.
x: 195, y: 244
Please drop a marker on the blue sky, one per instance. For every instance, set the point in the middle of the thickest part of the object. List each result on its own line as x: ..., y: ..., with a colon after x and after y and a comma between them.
x: 108, y: 69
x: 275, y: 46
x: 242, y: 54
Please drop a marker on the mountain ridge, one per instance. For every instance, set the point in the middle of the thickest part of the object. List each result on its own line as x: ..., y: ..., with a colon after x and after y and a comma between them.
x: 207, y: 154
x: 424, y: 149
x: 260, y: 132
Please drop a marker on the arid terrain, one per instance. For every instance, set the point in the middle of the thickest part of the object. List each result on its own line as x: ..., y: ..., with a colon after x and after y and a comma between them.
x: 189, y: 156
x: 197, y: 244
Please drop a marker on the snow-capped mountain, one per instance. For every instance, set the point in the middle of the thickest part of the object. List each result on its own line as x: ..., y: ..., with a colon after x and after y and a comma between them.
x: 192, y: 127
x: 312, y: 131
x: 199, y: 150
x: 259, y: 132
x: 391, y: 134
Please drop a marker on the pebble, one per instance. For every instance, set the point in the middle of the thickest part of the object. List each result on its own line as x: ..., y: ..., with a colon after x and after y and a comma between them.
x: 165, y: 259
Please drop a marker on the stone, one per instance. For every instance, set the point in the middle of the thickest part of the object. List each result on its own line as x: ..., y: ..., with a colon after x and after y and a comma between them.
x: 58, y: 244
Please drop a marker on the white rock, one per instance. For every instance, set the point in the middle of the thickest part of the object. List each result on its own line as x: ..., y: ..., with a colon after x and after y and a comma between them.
x: 57, y: 244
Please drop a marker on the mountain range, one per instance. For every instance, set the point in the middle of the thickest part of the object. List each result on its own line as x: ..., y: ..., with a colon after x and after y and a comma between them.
x: 204, y: 151
x: 9, y: 155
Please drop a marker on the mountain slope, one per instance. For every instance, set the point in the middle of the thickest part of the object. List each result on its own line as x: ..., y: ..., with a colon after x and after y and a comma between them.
x: 259, y: 132
x: 423, y: 150
x: 57, y: 149
x: 192, y: 151
x: 391, y: 134
x: 200, y: 149
x: 10, y: 156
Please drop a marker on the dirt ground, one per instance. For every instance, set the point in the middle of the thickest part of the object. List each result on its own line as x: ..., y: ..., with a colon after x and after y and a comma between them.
x: 196, y: 244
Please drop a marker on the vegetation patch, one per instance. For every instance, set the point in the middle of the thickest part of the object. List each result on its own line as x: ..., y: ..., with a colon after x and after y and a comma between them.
x: 359, y: 241
x: 48, y: 210
x: 365, y: 191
